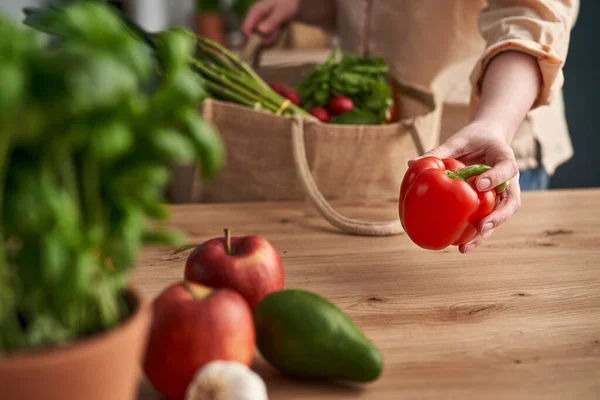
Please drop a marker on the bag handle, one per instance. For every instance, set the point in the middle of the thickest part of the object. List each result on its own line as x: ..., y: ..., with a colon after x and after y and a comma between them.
x: 253, y: 48
x: 347, y: 225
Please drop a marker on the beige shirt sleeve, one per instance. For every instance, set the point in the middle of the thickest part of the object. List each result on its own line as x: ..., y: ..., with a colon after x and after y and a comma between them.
x: 317, y: 12
x: 540, y: 28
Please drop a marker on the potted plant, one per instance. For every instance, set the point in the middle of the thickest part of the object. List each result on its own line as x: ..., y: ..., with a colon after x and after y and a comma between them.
x: 210, y: 21
x: 86, y: 142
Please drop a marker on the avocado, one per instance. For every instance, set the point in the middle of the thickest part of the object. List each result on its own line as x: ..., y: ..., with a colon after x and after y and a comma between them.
x: 303, y: 335
x: 356, y: 117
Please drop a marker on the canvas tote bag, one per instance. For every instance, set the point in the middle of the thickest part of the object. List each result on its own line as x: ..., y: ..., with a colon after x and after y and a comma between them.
x: 275, y: 158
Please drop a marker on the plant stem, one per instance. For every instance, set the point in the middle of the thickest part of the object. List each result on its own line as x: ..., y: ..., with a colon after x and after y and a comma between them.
x: 221, y: 78
x: 209, y: 56
x: 225, y: 92
x: 209, y: 45
x: 5, y: 137
x: 243, y: 67
x: 228, y: 241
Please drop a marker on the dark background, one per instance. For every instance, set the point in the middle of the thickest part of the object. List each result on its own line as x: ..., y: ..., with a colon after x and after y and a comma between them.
x: 582, y: 104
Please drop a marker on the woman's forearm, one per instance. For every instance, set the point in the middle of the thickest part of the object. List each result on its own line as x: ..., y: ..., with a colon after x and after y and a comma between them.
x: 509, y: 89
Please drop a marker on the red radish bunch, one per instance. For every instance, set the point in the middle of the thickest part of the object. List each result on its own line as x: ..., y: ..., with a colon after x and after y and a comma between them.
x: 340, y: 105
x: 336, y: 105
x: 277, y: 87
x: 292, y: 96
x: 320, y: 113
x: 289, y: 94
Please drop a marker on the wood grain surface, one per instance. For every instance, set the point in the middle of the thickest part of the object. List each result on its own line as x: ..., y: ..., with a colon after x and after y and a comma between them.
x: 517, y: 318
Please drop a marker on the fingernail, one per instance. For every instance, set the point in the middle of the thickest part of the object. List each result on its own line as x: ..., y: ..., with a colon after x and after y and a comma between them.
x: 469, y: 248
x: 483, y: 184
x: 487, y: 227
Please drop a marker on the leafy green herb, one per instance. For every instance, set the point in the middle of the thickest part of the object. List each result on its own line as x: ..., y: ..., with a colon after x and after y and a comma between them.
x: 85, y: 151
x: 363, y: 79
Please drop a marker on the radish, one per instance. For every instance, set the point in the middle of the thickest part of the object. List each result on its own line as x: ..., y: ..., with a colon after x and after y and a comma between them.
x: 340, y: 105
x: 292, y: 96
x: 320, y: 113
x: 277, y: 87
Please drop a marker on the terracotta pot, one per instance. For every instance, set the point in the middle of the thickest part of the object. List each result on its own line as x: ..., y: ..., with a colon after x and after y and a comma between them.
x: 211, y: 26
x: 102, y: 367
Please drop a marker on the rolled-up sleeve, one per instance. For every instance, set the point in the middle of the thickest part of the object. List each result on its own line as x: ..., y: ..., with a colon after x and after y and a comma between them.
x: 541, y: 28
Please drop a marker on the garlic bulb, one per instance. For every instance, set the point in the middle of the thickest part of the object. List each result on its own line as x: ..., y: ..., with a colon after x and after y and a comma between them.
x: 226, y: 380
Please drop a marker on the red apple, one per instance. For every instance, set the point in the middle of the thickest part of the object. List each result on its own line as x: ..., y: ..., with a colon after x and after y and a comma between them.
x: 249, y: 265
x: 193, y: 325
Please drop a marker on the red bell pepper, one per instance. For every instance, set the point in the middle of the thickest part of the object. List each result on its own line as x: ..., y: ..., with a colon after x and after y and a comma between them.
x: 439, y: 204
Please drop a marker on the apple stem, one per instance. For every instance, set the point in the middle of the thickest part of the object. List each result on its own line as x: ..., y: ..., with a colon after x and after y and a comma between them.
x: 228, y: 241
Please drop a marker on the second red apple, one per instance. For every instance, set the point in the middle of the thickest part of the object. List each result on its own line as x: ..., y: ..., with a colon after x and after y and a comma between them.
x: 250, y: 265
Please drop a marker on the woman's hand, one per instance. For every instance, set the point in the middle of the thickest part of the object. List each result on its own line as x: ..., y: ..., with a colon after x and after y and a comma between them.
x: 509, y: 89
x: 267, y: 16
x: 481, y: 142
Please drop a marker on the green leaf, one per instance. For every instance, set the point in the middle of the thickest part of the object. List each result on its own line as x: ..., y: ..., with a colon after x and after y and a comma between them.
x: 171, y: 146
x: 136, y: 56
x: 13, y: 84
x: 174, y: 49
x: 380, y: 97
x: 188, y: 86
x: 26, y: 210
x: 208, y: 143
x: 99, y: 81
x: 111, y: 140
x: 141, y: 181
x: 88, y: 21
x: 54, y: 258
x: 164, y: 238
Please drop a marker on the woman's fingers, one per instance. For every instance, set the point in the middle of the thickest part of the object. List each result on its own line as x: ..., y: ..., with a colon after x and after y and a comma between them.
x: 257, y: 13
x: 509, y: 204
x: 272, y: 22
x: 502, y: 171
x: 476, y: 242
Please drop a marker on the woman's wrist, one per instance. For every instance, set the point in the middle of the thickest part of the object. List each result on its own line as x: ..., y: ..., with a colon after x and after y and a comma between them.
x: 495, y: 126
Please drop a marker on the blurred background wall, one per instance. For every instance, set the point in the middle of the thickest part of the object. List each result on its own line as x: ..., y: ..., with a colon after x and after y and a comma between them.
x: 581, y: 91
x: 13, y: 7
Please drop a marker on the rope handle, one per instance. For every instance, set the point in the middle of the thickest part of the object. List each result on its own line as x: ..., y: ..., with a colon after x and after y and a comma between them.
x: 253, y: 48
x: 339, y: 221
x: 345, y: 224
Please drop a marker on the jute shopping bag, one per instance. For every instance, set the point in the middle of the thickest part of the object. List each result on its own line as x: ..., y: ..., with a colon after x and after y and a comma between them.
x: 275, y: 158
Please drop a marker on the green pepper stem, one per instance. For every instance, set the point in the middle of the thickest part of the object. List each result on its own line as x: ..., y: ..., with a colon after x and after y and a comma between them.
x: 472, y: 170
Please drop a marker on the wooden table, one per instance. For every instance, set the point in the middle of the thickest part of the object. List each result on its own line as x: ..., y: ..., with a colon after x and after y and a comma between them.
x: 517, y: 318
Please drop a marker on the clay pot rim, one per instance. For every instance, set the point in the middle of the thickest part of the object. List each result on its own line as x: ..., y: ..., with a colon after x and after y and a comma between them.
x: 79, y: 348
